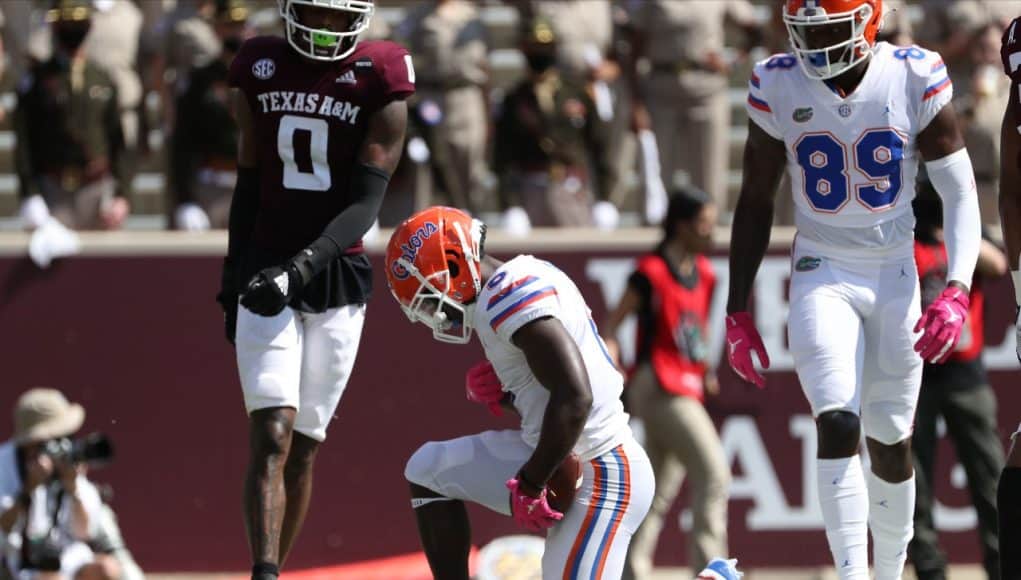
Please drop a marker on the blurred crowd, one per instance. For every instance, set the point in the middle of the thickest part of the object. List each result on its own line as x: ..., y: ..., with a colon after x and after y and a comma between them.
x: 534, y: 112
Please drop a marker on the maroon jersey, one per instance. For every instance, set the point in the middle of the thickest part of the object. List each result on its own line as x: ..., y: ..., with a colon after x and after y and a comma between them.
x: 310, y: 120
x: 1010, y: 54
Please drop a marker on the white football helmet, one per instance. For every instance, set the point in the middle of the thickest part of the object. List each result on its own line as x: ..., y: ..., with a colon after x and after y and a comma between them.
x: 320, y: 43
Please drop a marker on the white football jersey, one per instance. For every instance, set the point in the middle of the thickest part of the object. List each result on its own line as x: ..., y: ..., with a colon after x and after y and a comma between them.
x: 525, y: 289
x: 852, y: 161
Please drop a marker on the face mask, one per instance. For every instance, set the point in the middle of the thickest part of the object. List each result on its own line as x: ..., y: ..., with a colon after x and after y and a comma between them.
x: 70, y: 36
x: 540, y: 62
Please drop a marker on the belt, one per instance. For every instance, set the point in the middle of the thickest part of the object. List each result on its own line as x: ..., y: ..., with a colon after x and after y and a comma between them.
x: 73, y: 178
x: 680, y: 66
x: 555, y: 169
x: 220, y: 162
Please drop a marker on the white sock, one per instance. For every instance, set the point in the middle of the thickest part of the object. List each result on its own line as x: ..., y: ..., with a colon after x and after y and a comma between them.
x: 845, y: 511
x: 892, y: 508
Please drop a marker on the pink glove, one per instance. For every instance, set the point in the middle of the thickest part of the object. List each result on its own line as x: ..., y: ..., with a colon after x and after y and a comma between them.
x: 941, y: 325
x: 532, y: 513
x: 483, y: 386
x: 742, y: 340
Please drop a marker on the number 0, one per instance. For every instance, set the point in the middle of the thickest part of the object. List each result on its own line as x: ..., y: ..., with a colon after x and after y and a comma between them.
x: 305, y: 164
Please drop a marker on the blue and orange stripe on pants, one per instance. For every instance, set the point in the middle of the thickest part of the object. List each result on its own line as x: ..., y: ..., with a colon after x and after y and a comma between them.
x: 601, y: 487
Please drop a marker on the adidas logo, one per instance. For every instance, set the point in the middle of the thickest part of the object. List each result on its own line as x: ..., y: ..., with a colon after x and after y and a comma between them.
x: 348, y: 78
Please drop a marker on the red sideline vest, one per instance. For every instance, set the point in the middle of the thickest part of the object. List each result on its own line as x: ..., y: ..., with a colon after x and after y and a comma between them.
x: 932, y: 271
x: 679, y: 317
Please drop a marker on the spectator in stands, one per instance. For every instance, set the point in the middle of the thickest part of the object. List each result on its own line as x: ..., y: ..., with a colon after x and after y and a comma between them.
x: 959, y: 392
x: 49, y: 510
x: 17, y: 18
x: 670, y: 292
x: 451, y: 105
x: 68, y: 127
x: 204, y: 142
x: 586, y: 54
x: 112, y: 43
x: 683, y: 97
x: 982, y: 113
x: 546, y: 134
x: 952, y: 25
x: 189, y: 42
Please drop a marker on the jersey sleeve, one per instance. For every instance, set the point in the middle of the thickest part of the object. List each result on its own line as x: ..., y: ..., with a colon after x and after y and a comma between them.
x: 398, y: 72
x: 242, y: 64
x: 520, y: 300
x: 758, y: 107
x: 1010, y: 53
x: 937, y: 91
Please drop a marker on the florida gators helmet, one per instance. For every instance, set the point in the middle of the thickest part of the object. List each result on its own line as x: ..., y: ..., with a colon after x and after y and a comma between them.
x: 433, y: 268
x: 811, y: 21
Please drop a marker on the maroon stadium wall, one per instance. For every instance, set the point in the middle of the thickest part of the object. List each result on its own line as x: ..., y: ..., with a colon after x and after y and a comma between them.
x: 138, y: 340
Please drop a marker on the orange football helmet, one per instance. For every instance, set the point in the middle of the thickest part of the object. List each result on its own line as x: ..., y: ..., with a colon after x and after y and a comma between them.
x: 811, y: 21
x: 433, y: 269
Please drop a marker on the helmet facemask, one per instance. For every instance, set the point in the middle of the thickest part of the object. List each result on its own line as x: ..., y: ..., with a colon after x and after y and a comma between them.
x: 319, y: 43
x: 435, y: 304
x: 819, y: 62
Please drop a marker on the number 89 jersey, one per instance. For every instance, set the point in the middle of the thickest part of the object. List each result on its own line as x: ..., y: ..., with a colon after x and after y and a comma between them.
x: 852, y: 161
x: 310, y: 120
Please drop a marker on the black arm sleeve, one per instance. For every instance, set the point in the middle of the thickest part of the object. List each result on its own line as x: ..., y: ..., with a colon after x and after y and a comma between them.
x: 368, y: 185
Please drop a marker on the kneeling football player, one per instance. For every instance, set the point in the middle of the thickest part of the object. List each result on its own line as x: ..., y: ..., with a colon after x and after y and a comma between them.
x: 547, y: 363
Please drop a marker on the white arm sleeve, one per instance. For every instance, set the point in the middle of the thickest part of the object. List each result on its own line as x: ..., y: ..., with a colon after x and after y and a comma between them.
x: 954, y: 180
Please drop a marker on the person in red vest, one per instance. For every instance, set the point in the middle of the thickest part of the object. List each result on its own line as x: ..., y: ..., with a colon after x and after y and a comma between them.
x: 957, y: 390
x: 670, y: 292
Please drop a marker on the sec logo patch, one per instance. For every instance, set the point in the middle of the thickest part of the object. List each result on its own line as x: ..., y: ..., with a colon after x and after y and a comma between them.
x: 264, y: 68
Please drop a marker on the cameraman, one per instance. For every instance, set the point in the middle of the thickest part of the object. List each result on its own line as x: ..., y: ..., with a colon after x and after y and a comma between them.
x: 49, y: 510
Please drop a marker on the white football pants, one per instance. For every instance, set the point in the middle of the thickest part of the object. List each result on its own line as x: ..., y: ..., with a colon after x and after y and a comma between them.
x: 300, y: 360
x: 592, y: 539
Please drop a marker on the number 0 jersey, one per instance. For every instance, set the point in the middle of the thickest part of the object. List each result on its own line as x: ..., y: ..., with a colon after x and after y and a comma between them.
x: 526, y: 289
x: 853, y: 161
x: 310, y: 121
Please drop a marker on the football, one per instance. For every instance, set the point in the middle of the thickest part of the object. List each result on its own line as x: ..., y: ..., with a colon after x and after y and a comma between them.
x: 564, y: 484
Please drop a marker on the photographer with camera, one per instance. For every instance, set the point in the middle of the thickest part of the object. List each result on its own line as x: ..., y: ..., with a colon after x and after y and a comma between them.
x: 49, y: 510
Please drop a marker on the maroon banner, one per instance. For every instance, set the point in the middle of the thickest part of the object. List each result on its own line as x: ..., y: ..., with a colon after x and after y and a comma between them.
x: 139, y: 342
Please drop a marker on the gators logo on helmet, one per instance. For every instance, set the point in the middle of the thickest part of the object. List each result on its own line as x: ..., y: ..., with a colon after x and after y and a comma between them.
x: 433, y: 263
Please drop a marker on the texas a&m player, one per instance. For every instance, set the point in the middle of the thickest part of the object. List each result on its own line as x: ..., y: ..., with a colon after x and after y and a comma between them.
x: 849, y: 117
x: 1009, y: 492
x: 322, y: 119
x: 545, y: 362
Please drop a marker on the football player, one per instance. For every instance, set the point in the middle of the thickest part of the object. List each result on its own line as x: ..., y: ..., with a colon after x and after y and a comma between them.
x: 849, y: 117
x: 322, y: 119
x: 547, y: 363
x: 1009, y: 493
